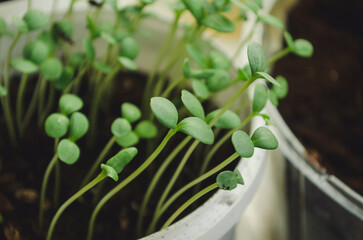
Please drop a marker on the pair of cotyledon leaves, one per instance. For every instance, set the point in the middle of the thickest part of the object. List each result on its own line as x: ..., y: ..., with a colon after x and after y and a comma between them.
x: 300, y: 47
x: 121, y: 128
x: 214, y: 21
x: 117, y: 163
x: 58, y: 124
x: 244, y: 146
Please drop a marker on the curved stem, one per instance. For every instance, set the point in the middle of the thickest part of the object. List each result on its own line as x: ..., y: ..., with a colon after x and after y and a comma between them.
x: 99, y: 160
x: 32, y: 106
x: 231, y: 101
x: 90, y: 185
x: 44, y: 188
x: 174, y: 84
x: 278, y: 56
x: 121, y: 185
x: 41, y: 101
x: 188, y: 203
x: 50, y: 103
x: 221, y: 141
x: 156, y: 179
x: 19, y: 101
x: 57, y: 184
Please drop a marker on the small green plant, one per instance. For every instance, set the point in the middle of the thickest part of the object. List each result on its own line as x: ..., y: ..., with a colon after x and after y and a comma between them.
x: 177, y: 100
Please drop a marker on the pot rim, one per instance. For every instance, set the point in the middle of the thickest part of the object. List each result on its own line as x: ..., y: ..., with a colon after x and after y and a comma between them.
x: 294, y: 151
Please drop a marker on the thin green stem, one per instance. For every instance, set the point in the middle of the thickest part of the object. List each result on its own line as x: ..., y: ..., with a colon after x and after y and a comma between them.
x: 32, y: 106
x: 216, y: 169
x: 188, y: 203
x: 99, y: 160
x: 278, y: 56
x: 231, y: 101
x: 121, y: 185
x: 90, y: 185
x: 156, y: 179
x: 221, y: 142
x: 57, y: 183
x: 41, y: 100
x: 77, y: 81
x: 50, y: 103
x: 19, y: 101
x: 244, y: 41
x: 44, y: 188
x: 173, y: 85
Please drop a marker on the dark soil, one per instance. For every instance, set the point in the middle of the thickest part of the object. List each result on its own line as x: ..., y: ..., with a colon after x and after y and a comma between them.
x: 325, y: 104
x: 22, y: 169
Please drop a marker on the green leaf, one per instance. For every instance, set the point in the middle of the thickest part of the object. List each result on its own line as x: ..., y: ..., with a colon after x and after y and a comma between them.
x: 109, y: 171
x: 4, y: 29
x: 273, y: 98
x: 267, y: 77
x: 146, y: 129
x: 65, y: 78
x: 228, y: 120
x: 240, y: 5
x: 63, y: 29
x: 91, y: 27
x: 48, y: 38
x: 120, y: 127
x: 122, y: 158
x: 70, y: 103
x: 197, y: 55
x: 130, y: 140
x: 147, y: 2
x: 251, y: 4
x: 102, y: 67
x: 89, y: 49
x: 51, y: 68
x: 129, y: 48
x: 23, y: 65
x: 196, y: 128
x: 56, y: 125
x: 3, y: 91
x: 244, y: 73
x: 200, y: 89
x: 77, y: 59
x: 228, y: 180
x: 192, y: 104
x: 68, y: 151
x: 165, y: 111
x: 264, y: 138
x: 289, y: 41
x: 242, y: 144
x: 78, y: 126
x: 20, y: 24
x: 108, y: 38
x: 219, y: 23
x: 131, y: 112
x: 120, y: 34
x: 303, y: 48
x: 259, y: 98
x: 36, y: 51
x: 238, y: 177
x: 259, y: 3
x: 35, y: 19
x: 195, y: 7
x: 256, y: 58
x: 187, y: 72
x: 127, y: 63
x: 218, y: 81
x: 219, y: 60
x: 282, y: 90
x: 203, y: 73
x: 272, y: 20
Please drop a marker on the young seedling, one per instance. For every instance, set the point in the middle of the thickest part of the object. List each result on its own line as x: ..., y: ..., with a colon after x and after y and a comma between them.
x: 56, y: 126
x: 226, y: 180
x: 244, y: 146
x: 166, y: 112
x: 111, y: 169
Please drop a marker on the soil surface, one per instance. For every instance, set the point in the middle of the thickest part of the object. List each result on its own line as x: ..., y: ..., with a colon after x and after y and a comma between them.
x: 324, y: 107
x: 22, y: 169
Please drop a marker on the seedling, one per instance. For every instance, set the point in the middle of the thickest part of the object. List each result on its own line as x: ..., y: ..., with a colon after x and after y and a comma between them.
x: 180, y: 106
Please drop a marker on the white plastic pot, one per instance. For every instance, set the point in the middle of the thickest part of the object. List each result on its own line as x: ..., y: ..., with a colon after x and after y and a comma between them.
x: 217, y: 217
